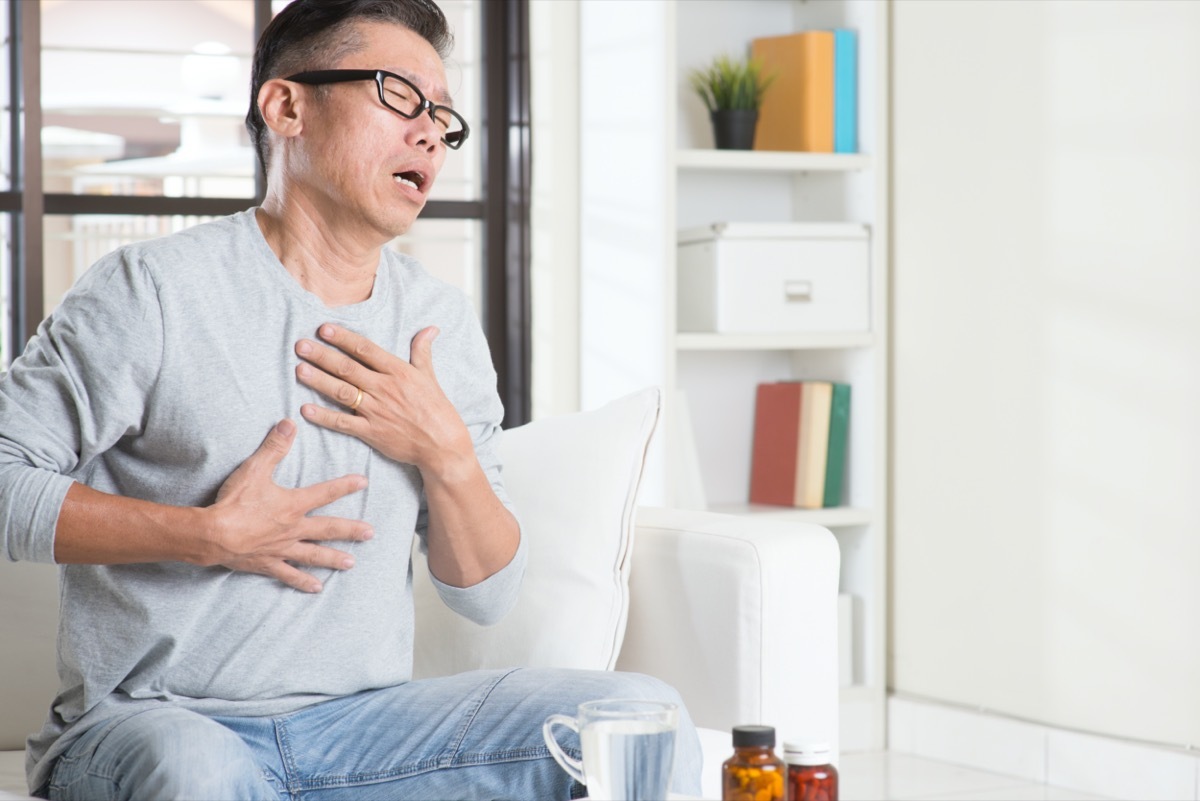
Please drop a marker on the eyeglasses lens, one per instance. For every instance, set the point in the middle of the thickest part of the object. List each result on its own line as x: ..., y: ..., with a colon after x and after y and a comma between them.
x: 404, y: 99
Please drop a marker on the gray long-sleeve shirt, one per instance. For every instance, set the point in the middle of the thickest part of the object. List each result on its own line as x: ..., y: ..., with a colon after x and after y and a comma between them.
x: 160, y: 372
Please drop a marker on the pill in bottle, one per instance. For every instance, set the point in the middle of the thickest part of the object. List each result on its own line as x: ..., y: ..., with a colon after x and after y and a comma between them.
x: 754, y: 772
x: 810, y: 775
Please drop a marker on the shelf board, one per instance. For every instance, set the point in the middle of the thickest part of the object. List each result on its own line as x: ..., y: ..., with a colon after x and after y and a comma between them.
x: 770, y: 161
x: 833, y: 517
x: 790, y: 341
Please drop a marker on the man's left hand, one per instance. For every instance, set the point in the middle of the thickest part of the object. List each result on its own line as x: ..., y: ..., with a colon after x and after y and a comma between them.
x: 402, y: 413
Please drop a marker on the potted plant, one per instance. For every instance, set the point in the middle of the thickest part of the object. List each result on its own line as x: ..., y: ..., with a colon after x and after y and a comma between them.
x: 732, y: 89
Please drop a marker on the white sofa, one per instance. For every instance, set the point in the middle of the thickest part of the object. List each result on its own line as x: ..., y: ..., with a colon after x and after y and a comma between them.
x: 738, y: 613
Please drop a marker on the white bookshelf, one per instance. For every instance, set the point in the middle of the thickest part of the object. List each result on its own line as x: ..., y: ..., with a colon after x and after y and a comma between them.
x: 659, y: 140
x: 830, y: 518
x: 758, y: 342
x: 765, y: 161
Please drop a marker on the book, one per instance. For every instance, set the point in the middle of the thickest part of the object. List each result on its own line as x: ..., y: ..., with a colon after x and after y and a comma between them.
x: 813, y: 444
x: 797, y: 111
x: 845, y: 91
x: 776, y: 434
x: 835, y: 462
x: 799, y: 449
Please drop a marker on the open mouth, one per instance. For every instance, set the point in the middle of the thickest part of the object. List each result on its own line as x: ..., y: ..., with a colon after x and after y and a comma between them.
x: 410, y: 178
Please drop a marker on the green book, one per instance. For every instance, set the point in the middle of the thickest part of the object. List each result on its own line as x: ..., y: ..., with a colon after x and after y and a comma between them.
x: 835, y: 462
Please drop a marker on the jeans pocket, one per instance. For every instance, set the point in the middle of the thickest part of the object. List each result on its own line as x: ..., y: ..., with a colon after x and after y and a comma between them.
x: 69, y: 779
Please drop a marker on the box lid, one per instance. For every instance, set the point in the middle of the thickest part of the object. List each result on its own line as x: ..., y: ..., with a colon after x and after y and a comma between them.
x: 785, y: 230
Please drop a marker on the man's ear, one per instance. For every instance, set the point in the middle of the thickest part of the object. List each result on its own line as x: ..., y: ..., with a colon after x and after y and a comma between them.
x: 281, y: 102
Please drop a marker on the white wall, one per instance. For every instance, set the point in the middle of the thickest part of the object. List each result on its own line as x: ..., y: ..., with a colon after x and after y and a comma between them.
x: 1046, y: 391
x: 626, y: 229
x: 554, y: 79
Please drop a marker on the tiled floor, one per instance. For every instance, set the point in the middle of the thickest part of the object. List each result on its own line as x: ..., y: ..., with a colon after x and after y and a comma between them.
x: 888, y: 776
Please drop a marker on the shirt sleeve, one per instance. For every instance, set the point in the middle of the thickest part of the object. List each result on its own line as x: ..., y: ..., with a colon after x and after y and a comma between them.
x: 80, y: 386
x: 464, y: 368
x: 487, y: 602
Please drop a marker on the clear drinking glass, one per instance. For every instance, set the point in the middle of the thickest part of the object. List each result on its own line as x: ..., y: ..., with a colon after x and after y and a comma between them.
x: 628, y: 748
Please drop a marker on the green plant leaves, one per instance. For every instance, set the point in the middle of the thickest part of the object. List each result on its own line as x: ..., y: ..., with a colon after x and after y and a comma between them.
x: 730, y: 83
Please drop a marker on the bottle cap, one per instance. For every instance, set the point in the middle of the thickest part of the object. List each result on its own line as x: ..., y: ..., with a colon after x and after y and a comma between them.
x: 751, y: 736
x: 806, y: 753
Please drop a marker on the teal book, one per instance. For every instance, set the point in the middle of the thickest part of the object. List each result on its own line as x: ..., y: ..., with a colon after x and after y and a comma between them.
x: 845, y: 91
x: 835, y: 461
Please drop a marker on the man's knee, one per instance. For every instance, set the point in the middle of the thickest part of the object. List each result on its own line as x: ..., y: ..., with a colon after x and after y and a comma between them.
x: 643, y: 688
x: 570, y: 686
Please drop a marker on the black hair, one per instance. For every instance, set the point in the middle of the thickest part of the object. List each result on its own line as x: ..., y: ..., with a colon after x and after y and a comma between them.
x: 314, y: 34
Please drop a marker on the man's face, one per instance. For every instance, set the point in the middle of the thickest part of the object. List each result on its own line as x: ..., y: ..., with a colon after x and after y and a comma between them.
x: 367, y: 168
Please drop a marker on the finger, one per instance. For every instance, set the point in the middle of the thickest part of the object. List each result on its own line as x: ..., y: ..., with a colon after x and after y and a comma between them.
x: 273, y: 448
x: 332, y: 362
x: 312, y: 555
x: 333, y: 388
x: 422, y: 348
x: 351, y: 424
x: 363, y: 350
x: 294, y: 578
x: 324, y: 493
x: 328, y: 529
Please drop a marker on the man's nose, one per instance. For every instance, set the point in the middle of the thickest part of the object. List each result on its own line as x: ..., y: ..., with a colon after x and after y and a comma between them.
x: 423, y: 130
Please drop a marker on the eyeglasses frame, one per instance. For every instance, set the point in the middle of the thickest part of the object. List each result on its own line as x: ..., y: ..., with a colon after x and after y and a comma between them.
x: 323, y: 77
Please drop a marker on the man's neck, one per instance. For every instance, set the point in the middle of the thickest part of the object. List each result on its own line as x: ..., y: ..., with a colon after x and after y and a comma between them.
x: 329, y: 263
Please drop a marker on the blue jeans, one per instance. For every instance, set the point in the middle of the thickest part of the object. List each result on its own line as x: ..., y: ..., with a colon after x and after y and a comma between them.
x: 472, y: 736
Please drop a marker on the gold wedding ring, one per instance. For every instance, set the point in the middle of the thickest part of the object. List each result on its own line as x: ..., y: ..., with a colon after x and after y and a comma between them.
x: 358, y: 400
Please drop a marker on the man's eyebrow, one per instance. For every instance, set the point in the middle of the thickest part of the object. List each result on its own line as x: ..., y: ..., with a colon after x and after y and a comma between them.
x: 442, y: 99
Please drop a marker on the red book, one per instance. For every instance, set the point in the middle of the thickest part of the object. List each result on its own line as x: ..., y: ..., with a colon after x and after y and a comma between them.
x: 776, y: 434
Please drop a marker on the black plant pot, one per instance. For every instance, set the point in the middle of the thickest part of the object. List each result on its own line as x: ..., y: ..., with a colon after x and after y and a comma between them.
x: 734, y: 128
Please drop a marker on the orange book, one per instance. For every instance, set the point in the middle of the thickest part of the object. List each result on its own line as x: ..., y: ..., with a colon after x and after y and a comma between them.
x: 776, y: 434
x: 797, y: 108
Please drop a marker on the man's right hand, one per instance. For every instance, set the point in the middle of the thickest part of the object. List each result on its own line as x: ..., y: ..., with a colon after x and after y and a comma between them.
x: 263, y: 528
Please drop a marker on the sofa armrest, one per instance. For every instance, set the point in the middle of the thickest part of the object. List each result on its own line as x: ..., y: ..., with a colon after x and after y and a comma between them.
x: 739, y: 614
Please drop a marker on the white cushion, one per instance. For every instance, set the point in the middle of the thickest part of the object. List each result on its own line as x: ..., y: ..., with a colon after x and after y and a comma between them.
x: 12, y: 776
x: 573, y: 480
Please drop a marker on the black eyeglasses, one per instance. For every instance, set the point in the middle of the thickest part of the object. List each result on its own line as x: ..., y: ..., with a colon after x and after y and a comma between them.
x: 398, y: 94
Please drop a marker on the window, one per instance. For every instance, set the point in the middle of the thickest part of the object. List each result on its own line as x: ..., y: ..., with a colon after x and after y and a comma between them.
x: 139, y: 105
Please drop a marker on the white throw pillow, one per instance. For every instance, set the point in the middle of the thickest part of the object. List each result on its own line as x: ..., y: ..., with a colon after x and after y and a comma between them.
x: 574, y: 480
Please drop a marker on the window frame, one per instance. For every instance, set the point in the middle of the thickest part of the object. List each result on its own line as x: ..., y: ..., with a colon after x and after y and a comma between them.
x: 504, y: 210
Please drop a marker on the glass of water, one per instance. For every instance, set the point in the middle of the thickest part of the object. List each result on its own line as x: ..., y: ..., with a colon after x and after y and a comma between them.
x: 628, y: 748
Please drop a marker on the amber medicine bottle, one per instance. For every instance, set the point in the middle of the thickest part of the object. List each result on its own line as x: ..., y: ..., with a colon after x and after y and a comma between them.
x: 754, y: 772
x: 810, y: 775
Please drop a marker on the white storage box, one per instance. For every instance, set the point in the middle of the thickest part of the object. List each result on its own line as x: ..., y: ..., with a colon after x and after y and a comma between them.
x: 758, y: 278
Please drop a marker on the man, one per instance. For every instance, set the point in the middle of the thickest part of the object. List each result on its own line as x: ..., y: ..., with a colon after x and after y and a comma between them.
x: 237, y: 620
